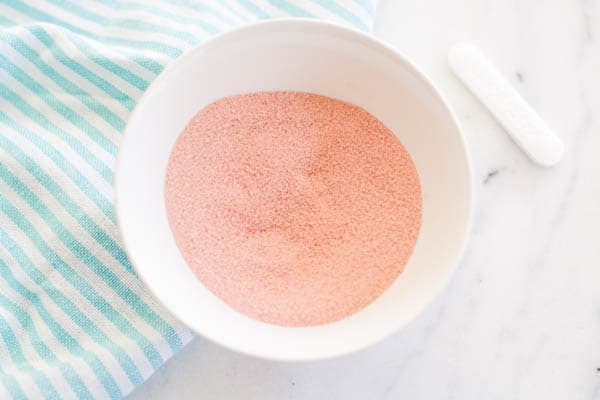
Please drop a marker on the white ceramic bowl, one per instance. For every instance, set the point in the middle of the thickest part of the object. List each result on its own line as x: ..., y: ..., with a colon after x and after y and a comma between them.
x: 309, y: 56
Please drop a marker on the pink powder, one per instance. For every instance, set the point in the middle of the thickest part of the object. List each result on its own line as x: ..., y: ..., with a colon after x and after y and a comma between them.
x: 295, y: 209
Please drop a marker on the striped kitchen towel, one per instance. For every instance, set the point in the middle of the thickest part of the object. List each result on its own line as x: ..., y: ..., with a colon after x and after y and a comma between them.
x: 75, y: 322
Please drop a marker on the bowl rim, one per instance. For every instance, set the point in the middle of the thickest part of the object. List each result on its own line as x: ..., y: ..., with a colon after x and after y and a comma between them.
x: 308, y: 24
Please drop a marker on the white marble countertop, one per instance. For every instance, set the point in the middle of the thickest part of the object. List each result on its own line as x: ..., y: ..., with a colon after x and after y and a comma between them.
x: 521, y: 317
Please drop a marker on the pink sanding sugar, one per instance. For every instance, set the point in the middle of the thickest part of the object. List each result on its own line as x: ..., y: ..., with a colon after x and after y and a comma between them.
x: 295, y: 209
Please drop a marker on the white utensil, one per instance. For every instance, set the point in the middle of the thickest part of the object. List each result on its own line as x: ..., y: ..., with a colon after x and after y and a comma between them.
x: 521, y: 121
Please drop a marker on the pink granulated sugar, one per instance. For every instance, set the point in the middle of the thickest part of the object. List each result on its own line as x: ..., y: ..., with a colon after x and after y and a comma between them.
x: 293, y: 208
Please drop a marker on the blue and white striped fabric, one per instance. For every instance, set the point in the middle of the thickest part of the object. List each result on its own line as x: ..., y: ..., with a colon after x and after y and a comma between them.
x: 74, y: 320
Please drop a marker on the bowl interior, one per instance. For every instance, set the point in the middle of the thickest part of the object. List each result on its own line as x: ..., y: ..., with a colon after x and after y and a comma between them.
x: 301, y: 56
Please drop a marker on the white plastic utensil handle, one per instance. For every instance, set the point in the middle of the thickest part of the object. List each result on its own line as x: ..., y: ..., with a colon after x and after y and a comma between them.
x: 521, y: 121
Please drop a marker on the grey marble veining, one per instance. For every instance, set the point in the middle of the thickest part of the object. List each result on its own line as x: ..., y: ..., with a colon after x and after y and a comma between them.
x: 521, y: 317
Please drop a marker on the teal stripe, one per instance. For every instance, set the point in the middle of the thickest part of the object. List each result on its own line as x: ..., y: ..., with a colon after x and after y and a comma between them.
x: 231, y: 9
x: 100, y: 236
x: 138, y: 25
x: 84, y: 220
x: 79, y: 284
x: 182, y: 19
x: 343, y: 13
x: 26, y: 322
x: 253, y: 8
x: 12, y: 385
x: 39, y: 15
x: 19, y: 359
x: 62, y: 163
x: 5, y: 21
x: 69, y: 308
x: 199, y: 7
x: 291, y: 9
x: 148, y: 27
x: 145, y: 62
x: 44, y: 123
x: 92, y: 262
x: 82, y: 71
x: 367, y: 5
x: 151, y: 65
x: 110, y: 65
x: 76, y: 119
x: 100, y: 371
x: 111, y: 279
